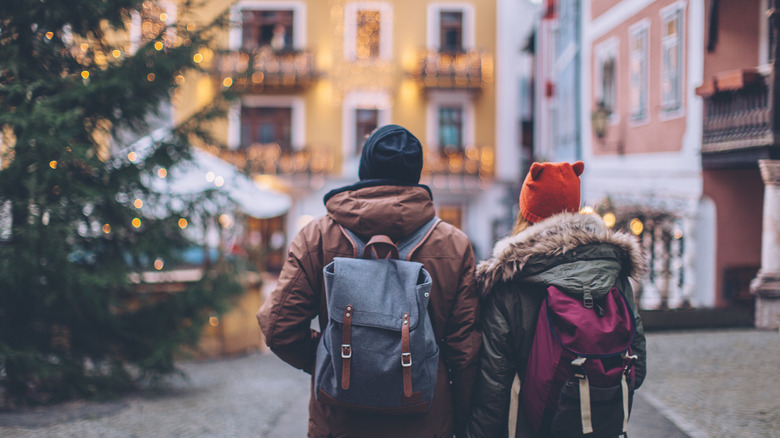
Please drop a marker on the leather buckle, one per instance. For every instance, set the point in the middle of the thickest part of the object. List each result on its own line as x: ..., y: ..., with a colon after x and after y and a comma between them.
x: 346, y: 351
x: 406, y: 357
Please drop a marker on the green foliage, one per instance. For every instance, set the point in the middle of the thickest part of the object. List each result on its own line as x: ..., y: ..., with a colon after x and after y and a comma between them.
x: 71, y: 322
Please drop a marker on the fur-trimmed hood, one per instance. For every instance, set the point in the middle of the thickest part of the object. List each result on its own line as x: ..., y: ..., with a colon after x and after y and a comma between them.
x: 557, y: 240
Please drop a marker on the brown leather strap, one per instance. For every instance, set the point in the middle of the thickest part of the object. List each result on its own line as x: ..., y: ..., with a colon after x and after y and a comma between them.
x: 378, y: 240
x: 406, y: 356
x: 346, y: 347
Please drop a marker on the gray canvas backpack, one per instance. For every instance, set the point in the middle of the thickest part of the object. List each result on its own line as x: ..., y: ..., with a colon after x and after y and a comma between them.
x: 378, y: 351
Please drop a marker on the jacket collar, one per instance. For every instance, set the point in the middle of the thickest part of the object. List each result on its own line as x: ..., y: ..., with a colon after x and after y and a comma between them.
x: 553, y: 237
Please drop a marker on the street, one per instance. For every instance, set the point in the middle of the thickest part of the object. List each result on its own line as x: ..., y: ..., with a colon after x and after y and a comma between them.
x: 714, y: 384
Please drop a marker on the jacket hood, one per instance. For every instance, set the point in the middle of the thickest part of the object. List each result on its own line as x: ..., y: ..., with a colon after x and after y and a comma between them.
x: 392, y: 210
x: 570, y: 250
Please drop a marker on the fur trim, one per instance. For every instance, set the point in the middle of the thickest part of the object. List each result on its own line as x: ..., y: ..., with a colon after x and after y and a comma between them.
x: 555, y: 235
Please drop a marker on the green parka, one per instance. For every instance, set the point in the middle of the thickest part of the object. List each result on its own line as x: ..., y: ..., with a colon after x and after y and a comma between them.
x: 576, y: 253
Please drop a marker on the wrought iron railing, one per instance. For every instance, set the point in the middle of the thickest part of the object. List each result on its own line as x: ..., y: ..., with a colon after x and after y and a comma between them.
x: 265, y: 69
x: 470, y: 70
x: 738, y: 112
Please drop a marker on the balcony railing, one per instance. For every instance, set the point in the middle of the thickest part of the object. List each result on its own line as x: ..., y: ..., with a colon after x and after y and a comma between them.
x: 470, y: 161
x: 470, y: 70
x: 738, y: 112
x: 271, y: 159
x: 267, y: 70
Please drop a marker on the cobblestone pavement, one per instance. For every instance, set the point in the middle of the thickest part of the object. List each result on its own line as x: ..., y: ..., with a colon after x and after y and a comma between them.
x: 714, y: 384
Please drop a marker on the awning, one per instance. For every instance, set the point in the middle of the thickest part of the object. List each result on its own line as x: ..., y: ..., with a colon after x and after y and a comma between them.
x: 187, y: 179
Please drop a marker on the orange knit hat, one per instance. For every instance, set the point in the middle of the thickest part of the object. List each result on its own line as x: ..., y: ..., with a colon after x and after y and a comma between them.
x: 550, y: 188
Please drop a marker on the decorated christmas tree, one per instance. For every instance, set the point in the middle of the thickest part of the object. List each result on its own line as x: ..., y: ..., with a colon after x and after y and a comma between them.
x: 81, y: 221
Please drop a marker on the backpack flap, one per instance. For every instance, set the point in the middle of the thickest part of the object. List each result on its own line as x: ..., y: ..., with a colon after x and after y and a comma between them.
x: 379, y: 291
x: 583, y: 331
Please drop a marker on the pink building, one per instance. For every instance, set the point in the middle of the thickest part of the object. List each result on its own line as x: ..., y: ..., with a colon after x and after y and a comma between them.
x: 641, y: 119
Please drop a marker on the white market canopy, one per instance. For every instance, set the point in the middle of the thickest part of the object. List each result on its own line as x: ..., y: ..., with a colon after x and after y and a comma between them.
x: 208, y: 172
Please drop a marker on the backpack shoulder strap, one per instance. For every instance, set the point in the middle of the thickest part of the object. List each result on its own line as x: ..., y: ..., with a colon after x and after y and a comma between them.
x: 406, y: 246
x: 409, y: 244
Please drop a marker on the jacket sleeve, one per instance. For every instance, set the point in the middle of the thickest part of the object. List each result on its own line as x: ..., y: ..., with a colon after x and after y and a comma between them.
x: 285, y: 318
x: 639, y: 345
x: 462, y: 340
x: 490, y: 412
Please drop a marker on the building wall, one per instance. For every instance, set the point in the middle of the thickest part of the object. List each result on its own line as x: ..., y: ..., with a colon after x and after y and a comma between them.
x: 658, y: 132
x: 386, y: 83
x: 738, y: 196
x: 651, y: 165
x: 739, y: 34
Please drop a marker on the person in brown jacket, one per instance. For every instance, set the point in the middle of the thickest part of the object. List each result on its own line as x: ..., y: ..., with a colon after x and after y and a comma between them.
x: 387, y: 200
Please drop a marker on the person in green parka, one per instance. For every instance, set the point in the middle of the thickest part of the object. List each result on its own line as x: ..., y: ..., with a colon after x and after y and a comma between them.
x: 551, y: 244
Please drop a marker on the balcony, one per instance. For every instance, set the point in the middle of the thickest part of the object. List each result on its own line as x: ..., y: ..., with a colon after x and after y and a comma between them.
x: 739, y: 123
x: 271, y: 159
x: 266, y: 70
x: 469, y: 71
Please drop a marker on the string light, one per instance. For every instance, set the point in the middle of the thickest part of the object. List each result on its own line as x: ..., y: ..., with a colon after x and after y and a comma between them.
x: 210, y: 176
x: 182, y: 223
x: 85, y: 74
x: 198, y: 58
x: 84, y: 46
x: 150, y: 77
x: 214, y: 321
x: 636, y: 226
x: 609, y: 219
x: 138, y: 203
x: 117, y: 53
x: 53, y: 164
x: 162, y: 173
x: 136, y: 222
x: 132, y: 156
x: 106, y: 228
x: 158, y: 46
x: 218, y: 181
x: 227, y: 82
x: 158, y: 264
x: 49, y: 35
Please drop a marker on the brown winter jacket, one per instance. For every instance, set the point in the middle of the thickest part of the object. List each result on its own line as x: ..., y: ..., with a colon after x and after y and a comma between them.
x: 299, y: 297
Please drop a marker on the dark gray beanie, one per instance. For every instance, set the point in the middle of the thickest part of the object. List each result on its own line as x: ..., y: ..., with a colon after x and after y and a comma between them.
x: 391, y: 152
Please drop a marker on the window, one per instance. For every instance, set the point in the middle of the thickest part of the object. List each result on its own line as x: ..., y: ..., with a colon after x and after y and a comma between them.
x: 449, y: 121
x: 452, y: 214
x: 671, y: 59
x: 366, y: 121
x: 606, y: 91
x: 362, y: 113
x: 451, y: 26
x: 273, y: 28
x: 279, y: 25
x: 368, y: 31
x: 451, y: 128
x: 367, y: 41
x: 638, y: 71
x: 266, y: 125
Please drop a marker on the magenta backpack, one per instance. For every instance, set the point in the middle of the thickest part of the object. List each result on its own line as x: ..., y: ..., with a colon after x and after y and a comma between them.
x: 579, y: 381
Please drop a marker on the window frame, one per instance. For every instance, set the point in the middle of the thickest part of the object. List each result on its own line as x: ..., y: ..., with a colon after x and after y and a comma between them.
x: 672, y: 108
x: 298, y: 8
x: 385, y: 29
x: 638, y: 115
x: 603, y: 51
x: 353, y: 101
x: 440, y: 99
x: 297, y: 122
x: 433, y: 25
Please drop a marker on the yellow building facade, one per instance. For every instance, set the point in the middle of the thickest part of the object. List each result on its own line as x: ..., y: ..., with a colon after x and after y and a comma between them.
x: 315, y: 77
